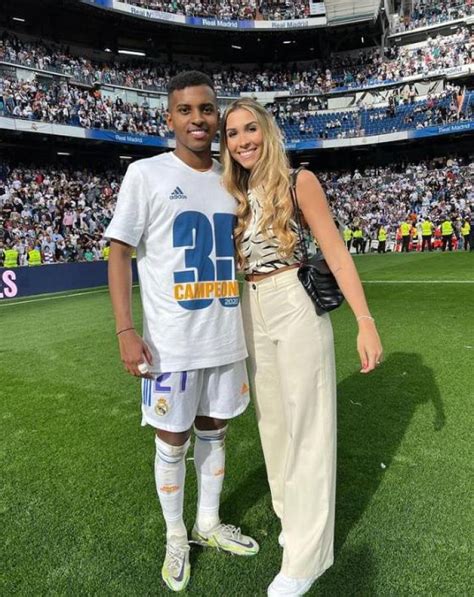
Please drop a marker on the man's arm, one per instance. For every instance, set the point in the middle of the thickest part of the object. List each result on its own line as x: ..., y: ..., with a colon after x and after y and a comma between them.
x: 133, y: 351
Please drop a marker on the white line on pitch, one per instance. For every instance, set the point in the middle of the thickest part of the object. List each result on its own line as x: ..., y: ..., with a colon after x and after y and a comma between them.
x: 63, y: 296
x: 50, y: 298
x: 418, y: 282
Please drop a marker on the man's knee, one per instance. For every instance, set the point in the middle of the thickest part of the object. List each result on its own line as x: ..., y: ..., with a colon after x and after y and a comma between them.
x: 172, y: 438
x: 208, y: 424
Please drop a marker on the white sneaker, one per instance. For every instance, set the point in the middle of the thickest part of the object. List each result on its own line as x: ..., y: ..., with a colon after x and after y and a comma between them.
x: 289, y: 587
x: 281, y: 539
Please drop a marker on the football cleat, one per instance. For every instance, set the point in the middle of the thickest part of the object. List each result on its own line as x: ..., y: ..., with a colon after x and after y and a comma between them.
x: 176, y: 570
x: 228, y: 538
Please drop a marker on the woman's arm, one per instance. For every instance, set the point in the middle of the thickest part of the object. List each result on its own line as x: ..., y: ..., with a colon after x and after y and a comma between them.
x: 313, y: 204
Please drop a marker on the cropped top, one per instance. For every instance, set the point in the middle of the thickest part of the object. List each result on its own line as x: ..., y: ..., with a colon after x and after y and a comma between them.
x: 260, y: 250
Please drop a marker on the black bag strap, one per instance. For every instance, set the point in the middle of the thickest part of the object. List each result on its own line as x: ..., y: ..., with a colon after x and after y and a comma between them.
x: 294, y: 198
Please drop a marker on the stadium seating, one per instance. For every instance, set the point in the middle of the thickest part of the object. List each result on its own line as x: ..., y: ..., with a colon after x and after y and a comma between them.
x: 340, y: 72
x: 37, y: 207
x: 374, y: 121
x: 84, y: 97
x: 236, y: 10
x: 431, y: 12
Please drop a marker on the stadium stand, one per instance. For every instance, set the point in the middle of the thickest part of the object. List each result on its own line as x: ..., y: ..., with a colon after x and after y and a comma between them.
x: 78, y: 100
x: 341, y: 71
x: 272, y: 10
x: 323, y: 99
x: 68, y: 104
x: 72, y: 105
x: 63, y: 212
x: 433, y: 12
x: 301, y: 117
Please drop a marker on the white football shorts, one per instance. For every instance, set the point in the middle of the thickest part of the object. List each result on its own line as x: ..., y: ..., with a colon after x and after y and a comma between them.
x: 171, y: 401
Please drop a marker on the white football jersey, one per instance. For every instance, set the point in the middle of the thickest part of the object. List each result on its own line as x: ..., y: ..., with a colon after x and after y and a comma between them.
x: 181, y: 221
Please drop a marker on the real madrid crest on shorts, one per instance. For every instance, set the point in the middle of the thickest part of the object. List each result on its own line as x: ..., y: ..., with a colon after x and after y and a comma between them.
x: 161, y: 407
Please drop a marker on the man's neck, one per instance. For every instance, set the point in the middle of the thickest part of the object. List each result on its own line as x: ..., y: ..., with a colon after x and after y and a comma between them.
x: 201, y: 161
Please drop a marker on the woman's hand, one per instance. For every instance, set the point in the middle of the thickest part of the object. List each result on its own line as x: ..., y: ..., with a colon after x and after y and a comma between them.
x: 134, y: 352
x: 369, y: 346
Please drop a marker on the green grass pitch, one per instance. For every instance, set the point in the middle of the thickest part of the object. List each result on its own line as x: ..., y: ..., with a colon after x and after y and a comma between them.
x: 80, y: 513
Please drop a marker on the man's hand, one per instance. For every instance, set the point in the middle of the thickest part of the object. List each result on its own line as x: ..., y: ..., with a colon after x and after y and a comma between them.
x: 134, y: 352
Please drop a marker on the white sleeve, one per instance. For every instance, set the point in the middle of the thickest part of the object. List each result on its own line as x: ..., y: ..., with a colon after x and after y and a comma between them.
x: 131, y: 212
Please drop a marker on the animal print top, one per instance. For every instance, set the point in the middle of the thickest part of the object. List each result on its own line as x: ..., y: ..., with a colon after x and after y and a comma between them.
x: 261, y: 251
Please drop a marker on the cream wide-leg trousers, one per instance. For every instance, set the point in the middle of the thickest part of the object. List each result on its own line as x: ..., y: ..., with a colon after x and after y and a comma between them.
x: 292, y: 371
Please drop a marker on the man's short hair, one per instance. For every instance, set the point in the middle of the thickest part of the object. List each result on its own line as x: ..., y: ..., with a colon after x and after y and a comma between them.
x: 189, y: 78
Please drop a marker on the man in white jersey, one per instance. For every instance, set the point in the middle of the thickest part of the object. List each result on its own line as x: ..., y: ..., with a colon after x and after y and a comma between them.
x: 173, y: 209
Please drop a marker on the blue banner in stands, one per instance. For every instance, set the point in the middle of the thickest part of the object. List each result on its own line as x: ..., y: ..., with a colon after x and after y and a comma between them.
x: 445, y: 129
x: 104, y: 3
x: 60, y: 277
x: 310, y: 144
x: 209, y: 22
x: 129, y: 138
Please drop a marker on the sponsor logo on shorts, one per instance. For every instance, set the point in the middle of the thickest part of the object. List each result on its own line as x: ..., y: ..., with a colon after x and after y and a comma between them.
x: 244, y: 389
x: 161, y: 407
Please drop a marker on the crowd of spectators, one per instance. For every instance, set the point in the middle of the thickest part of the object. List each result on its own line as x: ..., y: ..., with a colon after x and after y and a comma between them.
x: 432, y: 12
x: 303, y: 116
x: 63, y: 213
x: 231, y: 10
x: 61, y: 103
x: 432, y: 190
x: 400, y: 62
x: 423, y: 12
x: 436, y: 112
x: 60, y: 212
x: 340, y: 71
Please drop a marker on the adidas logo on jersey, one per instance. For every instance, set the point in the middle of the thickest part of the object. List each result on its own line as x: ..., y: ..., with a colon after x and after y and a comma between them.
x: 178, y: 194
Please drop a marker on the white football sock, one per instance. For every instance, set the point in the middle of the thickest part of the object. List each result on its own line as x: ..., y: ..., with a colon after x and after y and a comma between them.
x: 209, y: 460
x: 170, y: 472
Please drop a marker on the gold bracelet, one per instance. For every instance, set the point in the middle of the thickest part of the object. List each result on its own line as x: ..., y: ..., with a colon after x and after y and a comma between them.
x: 365, y: 317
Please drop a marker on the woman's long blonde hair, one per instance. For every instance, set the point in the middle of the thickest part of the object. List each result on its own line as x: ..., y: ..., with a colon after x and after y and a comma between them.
x: 269, y: 179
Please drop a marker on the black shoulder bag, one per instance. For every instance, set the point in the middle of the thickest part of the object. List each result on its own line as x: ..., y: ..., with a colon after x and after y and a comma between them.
x: 314, y: 273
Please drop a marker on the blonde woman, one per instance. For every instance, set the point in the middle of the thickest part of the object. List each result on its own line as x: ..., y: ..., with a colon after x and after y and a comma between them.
x: 291, y: 348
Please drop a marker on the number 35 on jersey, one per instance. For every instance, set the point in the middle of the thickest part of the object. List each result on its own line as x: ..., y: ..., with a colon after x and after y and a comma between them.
x: 209, y: 263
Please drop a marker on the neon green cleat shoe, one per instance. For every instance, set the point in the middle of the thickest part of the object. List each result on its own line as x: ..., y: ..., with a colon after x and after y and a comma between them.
x: 176, y: 570
x: 228, y: 538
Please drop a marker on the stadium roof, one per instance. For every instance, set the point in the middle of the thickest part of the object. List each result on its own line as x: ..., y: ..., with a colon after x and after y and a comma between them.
x: 340, y: 12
